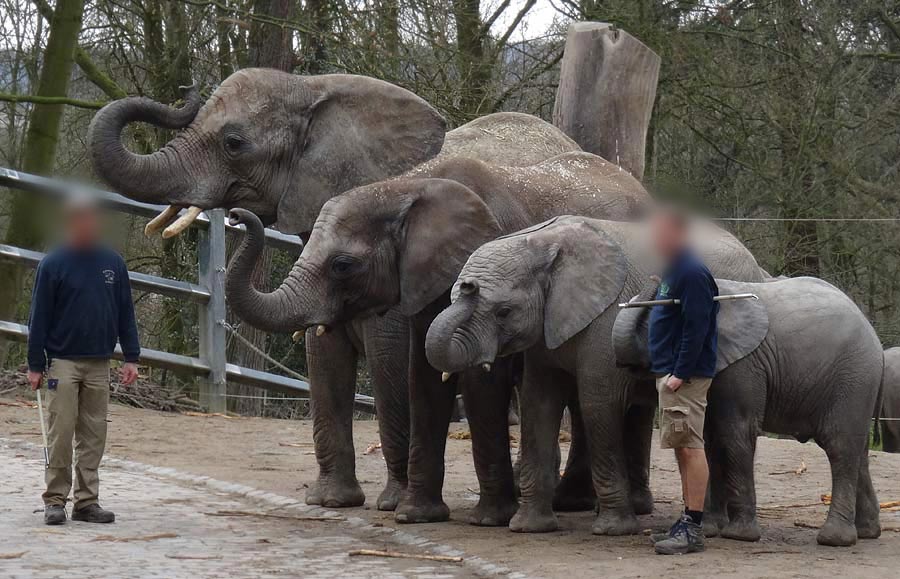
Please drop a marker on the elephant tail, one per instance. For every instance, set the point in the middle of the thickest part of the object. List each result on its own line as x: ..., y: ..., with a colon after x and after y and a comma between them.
x: 879, y: 403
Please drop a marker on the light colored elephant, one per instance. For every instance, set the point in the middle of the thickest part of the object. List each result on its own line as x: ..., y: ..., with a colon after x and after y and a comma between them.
x: 550, y: 291
x: 890, y: 410
x: 400, y: 243
x: 282, y: 145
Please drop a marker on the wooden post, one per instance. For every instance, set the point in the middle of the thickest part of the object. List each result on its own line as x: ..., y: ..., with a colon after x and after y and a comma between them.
x: 607, y: 86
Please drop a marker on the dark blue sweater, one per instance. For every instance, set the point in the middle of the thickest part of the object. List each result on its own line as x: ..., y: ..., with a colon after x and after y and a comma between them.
x: 80, y: 306
x: 682, y: 338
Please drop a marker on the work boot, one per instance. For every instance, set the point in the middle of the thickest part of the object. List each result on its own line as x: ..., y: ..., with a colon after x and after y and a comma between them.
x: 687, y: 537
x: 54, y: 515
x: 93, y: 514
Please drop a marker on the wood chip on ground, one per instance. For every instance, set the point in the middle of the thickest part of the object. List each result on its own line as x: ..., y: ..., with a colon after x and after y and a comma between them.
x: 18, y: 555
x: 272, y: 516
x: 397, y: 555
x: 114, y: 539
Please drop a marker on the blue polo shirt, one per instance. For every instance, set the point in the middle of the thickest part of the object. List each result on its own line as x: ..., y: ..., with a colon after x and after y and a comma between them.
x: 682, y: 338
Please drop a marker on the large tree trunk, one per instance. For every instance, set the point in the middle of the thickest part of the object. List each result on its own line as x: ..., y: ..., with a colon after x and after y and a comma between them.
x: 26, y: 220
x: 607, y: 86
x: 474, y: 70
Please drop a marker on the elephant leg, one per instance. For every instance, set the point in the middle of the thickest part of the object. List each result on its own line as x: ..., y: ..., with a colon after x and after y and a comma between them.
x: 638, y: 439
x: 542, y: 399
x: 868, y: 510
x: 735, y: 443
x: 387, y: 354
x: 575, y: 491
x: 844, y: 453
x: 431, y: 404
x: 603, y: 405
x: 715, y: 517
x: 331, y: 359
x: 487, y: 396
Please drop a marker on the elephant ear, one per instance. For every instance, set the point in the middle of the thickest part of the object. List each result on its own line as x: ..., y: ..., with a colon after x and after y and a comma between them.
x: 443, y: 224
x: 587, y: 274
x: 743, y: 324
x: 355, y: 131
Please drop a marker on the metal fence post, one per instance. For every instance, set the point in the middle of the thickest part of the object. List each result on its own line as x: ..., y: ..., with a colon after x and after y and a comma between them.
x: 212, y: 315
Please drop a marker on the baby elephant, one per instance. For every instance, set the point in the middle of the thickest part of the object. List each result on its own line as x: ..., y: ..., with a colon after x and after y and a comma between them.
x: 551, y: 291
x: 890, y: 411
x: 802, y: 361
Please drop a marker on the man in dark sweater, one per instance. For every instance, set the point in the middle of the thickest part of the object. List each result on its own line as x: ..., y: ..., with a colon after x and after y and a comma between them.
x: 682, y: 343
x: 80, y: 307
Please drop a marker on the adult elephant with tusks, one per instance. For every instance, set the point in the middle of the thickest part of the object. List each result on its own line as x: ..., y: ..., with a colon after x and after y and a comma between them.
x: 400, y: 244
x: 281, y: 145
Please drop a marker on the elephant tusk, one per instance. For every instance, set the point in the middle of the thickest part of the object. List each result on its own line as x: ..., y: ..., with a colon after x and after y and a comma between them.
x: 164, y: 217
x: 445, y: 376
x: 486, y: 367
x: 297, y: 335
x: 321, y: 329
x: 182, y: 222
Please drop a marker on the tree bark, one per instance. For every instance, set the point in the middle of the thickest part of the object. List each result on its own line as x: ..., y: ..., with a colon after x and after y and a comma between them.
x: 270, y: 45
x: 607, y: 87
x: 26, y: 220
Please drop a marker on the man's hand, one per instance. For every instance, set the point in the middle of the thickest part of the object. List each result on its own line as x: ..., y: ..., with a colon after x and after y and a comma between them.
x: 35, y: 379
x: 674, y: 383
x: 128, y: 373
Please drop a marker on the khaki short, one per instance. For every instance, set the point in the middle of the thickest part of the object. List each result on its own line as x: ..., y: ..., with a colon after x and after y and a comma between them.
x: 682, y: 412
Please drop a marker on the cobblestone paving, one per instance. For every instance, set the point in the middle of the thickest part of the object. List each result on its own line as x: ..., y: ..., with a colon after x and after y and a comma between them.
x: 173, y: 535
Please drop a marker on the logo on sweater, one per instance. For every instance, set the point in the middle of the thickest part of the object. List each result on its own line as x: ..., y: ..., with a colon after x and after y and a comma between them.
x: 663, y: 290
x: 110, y: 276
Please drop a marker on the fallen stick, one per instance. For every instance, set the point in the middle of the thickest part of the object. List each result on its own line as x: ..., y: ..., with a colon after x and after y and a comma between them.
x: 18, y: 555
x: 794, y: 506
x: 296, y: 444
x: 396, y: 555
x: 114, y: 539
x: 807, y: 524
x: 207, y: 415
x: 193, y: 557
x: 271, y: 516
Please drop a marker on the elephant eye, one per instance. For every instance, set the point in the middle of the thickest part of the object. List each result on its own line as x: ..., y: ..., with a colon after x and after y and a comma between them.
x: 234, y: 143
x: 503, y: 312
x: 342, y: 265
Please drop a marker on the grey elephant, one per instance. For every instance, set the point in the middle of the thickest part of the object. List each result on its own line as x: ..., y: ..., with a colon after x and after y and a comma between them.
x: 550, y: 291
x: 890, y: 411
x: 282, y: 145
x: 802, y: 361
x: 400, y: 243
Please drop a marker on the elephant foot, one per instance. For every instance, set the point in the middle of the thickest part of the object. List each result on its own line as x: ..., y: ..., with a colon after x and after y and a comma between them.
x: 616, y: 522
x: 642, y: 501
x: 417, y: 509
x: 836, y: 534
x: 741, y: 530
x: 531, y: 518
x: 870, y: 529
x: 493, y: 511
x: 713, y: 523
x: 390, y: 496
x: 575, y: 492
x: 334, y: 493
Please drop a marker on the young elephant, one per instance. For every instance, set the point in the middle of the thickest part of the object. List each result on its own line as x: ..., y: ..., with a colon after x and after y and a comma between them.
x: 551, y: 291
x: 890, y: 410
x: 801, y: 361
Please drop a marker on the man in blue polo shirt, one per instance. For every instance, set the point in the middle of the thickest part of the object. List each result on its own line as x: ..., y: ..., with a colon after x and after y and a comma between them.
x: 80, y: 307
x: 682, y: 343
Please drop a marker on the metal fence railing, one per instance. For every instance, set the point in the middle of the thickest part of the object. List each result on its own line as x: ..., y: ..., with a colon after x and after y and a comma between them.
x: 209, y: 296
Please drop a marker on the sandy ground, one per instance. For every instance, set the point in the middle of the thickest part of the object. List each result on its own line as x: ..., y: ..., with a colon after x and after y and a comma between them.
x: 277, y: 456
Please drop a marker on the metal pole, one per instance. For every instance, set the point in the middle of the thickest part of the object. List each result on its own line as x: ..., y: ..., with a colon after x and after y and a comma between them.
x: 675, y: 302
x: 212, y: 315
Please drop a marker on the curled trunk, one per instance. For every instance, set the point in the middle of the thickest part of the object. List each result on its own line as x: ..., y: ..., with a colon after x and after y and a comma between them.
x: 152, y: 178
x: 445, y: 347
x: 271, y: 312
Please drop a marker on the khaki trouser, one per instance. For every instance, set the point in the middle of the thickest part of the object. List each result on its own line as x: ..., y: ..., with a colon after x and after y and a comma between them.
x: 682, y: 413
x: 77, y: 399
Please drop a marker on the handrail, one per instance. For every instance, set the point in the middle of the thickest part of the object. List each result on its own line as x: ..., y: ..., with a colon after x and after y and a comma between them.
x: 53, y: 188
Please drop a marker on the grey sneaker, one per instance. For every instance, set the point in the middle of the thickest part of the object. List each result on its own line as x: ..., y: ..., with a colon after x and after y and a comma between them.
x: 657, y: 537
x: 687, y: 537
x: 93, y: 514
x: 54, y: 515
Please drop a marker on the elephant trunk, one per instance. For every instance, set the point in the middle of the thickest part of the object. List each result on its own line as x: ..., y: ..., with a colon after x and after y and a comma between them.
x: 271, y: 312
x: 448, y: 346
x: 149, y: 178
